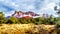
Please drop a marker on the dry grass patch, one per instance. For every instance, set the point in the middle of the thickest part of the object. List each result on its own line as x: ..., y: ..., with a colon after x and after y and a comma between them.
x: 25, y: 28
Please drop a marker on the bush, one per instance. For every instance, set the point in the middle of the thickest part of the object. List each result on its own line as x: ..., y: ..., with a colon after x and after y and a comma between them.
x: 12, y: 20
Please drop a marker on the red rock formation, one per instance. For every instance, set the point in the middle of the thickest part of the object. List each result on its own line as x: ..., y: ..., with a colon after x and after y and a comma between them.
x: 20, y: 14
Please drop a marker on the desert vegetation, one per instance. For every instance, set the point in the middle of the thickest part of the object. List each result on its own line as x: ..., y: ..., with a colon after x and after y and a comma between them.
x: 23, y: 20
x: 28, y: 25
x: 27, y: 29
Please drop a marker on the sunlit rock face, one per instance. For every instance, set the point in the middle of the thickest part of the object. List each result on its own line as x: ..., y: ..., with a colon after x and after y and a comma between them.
x: 32, y: 13
x: 18, y: 14
x: 21, y: 14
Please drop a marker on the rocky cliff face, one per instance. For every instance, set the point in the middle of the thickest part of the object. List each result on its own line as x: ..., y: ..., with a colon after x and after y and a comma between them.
x: 23, y: 14
x: 32, y: 13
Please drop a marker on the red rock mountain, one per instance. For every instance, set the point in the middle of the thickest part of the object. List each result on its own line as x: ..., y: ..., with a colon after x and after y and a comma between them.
x: 21, y: 14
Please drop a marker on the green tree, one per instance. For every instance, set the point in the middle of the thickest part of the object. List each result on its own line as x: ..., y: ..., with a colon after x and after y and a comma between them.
x: 57, y: 22
x: 50, y: 20
x: 42, y: 20
x: 37, y: 20
x: 12, y: 20
x: 58, y: 13
x: 2, y: 18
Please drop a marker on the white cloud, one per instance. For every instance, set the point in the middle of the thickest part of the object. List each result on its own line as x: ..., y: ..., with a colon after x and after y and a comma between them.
x: 48, y: 6
x: 8, y: 13
x: 26, y: 5
x: 30, y: 7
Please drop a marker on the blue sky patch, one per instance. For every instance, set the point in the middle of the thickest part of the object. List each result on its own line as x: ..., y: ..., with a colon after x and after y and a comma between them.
x: 37, y: 6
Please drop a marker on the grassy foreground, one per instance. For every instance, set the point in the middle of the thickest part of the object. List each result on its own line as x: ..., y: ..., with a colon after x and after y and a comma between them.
x: 27, y: 29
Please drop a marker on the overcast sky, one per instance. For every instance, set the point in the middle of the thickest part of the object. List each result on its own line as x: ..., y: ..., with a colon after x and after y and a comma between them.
x: 37, y: 6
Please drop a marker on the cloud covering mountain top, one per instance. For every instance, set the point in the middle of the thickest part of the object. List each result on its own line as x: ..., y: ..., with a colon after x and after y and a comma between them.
x: 37, y: 6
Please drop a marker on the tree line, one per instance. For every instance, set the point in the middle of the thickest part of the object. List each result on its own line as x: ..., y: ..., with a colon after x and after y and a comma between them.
x: 38, y: 20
